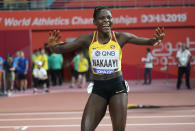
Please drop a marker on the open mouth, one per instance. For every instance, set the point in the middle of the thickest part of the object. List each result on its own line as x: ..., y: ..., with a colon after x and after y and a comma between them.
x: 106, y: 27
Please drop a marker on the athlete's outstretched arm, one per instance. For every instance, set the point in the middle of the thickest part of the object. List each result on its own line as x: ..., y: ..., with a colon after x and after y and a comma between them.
x: 61, y: 47
x: 130, y: 38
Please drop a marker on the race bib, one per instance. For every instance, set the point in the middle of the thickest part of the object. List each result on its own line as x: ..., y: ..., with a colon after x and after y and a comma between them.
x: 105, y: 61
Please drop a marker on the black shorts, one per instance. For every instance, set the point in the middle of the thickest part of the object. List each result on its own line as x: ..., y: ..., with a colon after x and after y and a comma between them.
x: 22, y: 76
x: 74, y: 73
x: 109, y: 88
x: 82, y: 73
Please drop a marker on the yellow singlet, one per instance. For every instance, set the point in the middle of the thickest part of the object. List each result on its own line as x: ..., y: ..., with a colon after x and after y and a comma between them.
x: 105, y: 58
x: 82, y: 65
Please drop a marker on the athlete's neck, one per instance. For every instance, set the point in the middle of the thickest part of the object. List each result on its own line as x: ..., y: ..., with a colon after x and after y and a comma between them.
x: 104, y: 37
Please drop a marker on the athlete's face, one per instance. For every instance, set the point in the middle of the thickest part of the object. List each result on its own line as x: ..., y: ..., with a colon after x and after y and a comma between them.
x: 104, y: 21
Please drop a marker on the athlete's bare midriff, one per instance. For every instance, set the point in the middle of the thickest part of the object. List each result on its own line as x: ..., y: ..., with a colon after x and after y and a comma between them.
x: 107, y: 77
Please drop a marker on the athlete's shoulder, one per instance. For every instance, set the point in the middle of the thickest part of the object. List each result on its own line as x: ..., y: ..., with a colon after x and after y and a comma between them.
x: 87, y: 37
x: 122, y: 34
x: 119, y: 35
x: 84, y: 39
x: 122, y: 37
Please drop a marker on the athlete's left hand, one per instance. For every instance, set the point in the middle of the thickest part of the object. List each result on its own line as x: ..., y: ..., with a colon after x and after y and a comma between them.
x: 159, y: 36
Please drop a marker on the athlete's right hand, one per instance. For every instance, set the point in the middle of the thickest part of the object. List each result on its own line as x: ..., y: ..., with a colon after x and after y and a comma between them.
x: 54, y: 37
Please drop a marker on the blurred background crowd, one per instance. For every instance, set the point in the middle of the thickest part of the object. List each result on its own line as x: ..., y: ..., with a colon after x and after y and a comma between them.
x: 46, y: 70
x: 25, y: 62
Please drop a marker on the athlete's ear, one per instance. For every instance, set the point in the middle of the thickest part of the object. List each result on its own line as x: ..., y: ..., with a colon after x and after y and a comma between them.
x: 94, y: 22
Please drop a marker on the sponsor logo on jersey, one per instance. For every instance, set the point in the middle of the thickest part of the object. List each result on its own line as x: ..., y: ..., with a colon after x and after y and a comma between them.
x: 112, y: 47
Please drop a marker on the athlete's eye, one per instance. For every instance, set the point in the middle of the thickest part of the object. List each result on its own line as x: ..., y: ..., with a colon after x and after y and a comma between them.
x: 109, y: 17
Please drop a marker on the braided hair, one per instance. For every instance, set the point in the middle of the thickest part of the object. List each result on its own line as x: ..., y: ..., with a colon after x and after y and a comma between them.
x: 98, y: 9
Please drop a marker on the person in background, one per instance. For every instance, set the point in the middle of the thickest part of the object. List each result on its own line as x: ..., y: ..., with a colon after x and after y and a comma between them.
x: 189, y: 63
x: 55, y: 62
x: 36, y: 58
x: 15, y: 60
x: 183, y: 58
x: 33, y: 58
x: 10, y: 73
x: 1, y: 73
x: 74, y: 70
x: 82, y: 70
x: 40, y: 78
x: 34, y: 53
x: 48, y: 52
x: 23, y: 71
x: 148, y: 66
x: 44, y: 60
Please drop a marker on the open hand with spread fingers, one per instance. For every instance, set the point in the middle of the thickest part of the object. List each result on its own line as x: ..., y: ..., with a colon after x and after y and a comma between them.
x: 159, y: 36
x: 54, y: 37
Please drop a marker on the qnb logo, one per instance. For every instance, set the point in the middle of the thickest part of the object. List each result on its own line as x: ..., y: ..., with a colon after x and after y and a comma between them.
x: 108, y: 53
x: 97, y: 53
x: 105, y: 53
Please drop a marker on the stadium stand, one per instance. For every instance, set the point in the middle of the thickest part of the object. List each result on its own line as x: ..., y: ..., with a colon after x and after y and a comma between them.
x: 81, y: 4
x: 119, y: 3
